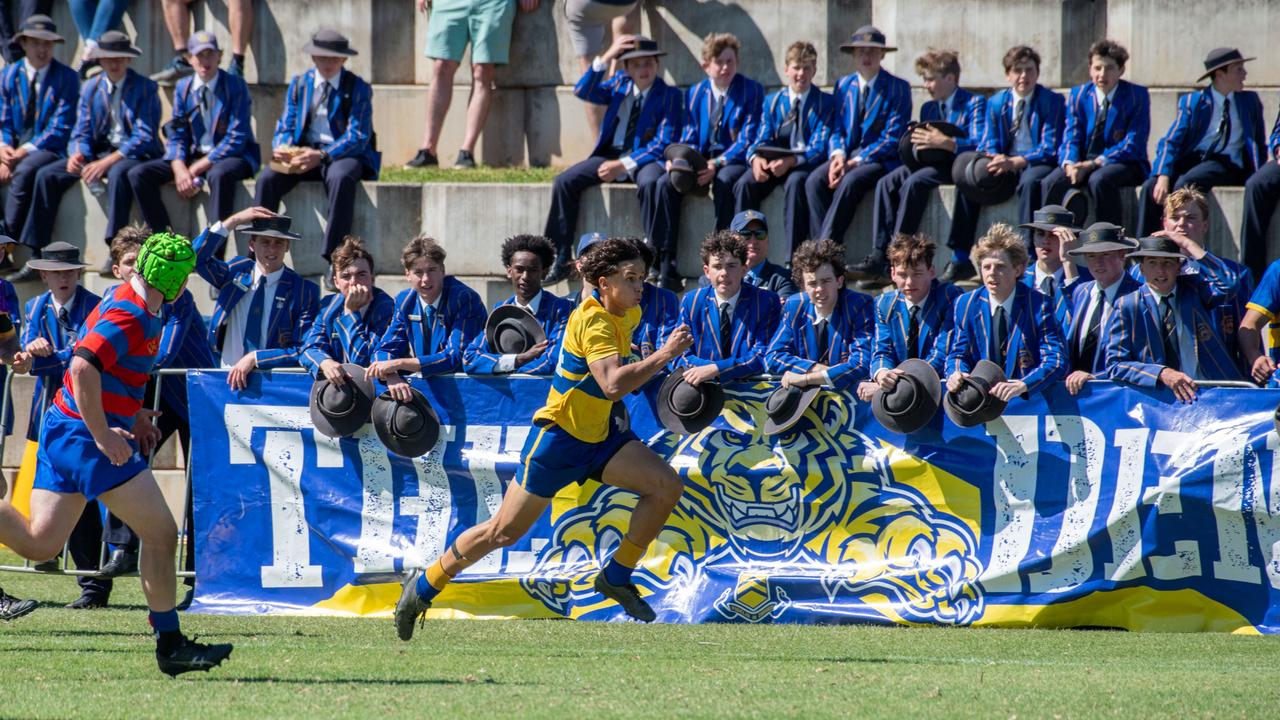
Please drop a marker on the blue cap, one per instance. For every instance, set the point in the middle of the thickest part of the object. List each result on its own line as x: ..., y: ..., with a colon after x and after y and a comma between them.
x: 587, y: 241
x: 203, y: 40
x: 745, y: 218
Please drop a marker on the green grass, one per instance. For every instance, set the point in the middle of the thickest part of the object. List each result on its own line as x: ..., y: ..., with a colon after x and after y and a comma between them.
x: 511, y: 175
x: 60, y: 663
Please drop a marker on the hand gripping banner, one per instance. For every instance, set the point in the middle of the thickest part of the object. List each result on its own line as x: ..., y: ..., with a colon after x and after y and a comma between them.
x: 1116, y: 508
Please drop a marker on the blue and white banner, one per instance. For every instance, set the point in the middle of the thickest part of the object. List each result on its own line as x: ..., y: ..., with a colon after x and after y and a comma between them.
x: 1116, y: 508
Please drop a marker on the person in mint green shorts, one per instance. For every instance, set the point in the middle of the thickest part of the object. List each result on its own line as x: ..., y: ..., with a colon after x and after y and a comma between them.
x: 485, y: 25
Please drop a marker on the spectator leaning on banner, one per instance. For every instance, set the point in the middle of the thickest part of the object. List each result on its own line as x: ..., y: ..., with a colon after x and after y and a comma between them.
x: 1216, y: 138
x: 434, y: 321
x: 644, y: 115
x: 796, y: 118
x: 914, y: 319
x: 38, y: 97
x: 824, y: 337
x: 1006, y: 322
x: 210, y: 139
x: 1103, y: 248
x: 1104, y: 143
x: 325, y: 135
x: 351, y: 321
x: 732, y: 322
x: 526, y: 259
x: 116, y: 125
x: 1164, y: 333
x: 263, y: 309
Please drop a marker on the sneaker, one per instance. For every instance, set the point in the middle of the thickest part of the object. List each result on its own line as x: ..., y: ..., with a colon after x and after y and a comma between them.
x: 121, y: 562
x: 177, y: 69
x: 235, y: 69
x: 957, y: 271
x: 409, y: 608
x: 465, y: 160
x: 191, y: 656
x: 424, y: 158
x: 26, y: 274
x: 11, y: 608
x: 628, y: 597
x: 88, y: 601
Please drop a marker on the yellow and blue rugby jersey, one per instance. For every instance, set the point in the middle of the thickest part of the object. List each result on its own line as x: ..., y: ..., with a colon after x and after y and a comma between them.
x: 575, y: 402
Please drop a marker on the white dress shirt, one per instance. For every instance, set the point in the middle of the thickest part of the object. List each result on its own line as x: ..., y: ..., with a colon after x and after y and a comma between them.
x: 320, y: 132
x: 238, y: 319
x: 204, y: 143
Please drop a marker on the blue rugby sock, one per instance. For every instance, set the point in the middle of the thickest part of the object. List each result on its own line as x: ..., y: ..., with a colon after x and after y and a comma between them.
x: 164, y: 622
x: 617, y: 573
x: 432, y: 581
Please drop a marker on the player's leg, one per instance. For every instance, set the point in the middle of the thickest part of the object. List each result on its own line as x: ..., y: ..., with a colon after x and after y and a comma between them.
x: 53, y: 515
x: 637, y: 468
x: 141, y: 505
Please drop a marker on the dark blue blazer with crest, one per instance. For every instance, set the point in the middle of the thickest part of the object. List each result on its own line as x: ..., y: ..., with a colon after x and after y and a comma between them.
x: 1192, y: 122
x: 460, y: 317
x: 755, y: 319
x: 1081, y: 293
x: 293, y: 307
x: 795, y: 346
x: 1135, y: 340
x: 739, y: 120
x: 888, y: 110
x: 553, y: 314
x: 893, y: 325
x: 140, y: 117
x: 967, y: 111
x: 661, y: 117
x: 346, y: 337
x: 1034, y: 354
x: 819, y: 112
x: 1128, y: 123
x: 232, y: 116
x: 55, y: 108
x: 350, y: 119
x: 42, y: 322
x: 1044, y: 120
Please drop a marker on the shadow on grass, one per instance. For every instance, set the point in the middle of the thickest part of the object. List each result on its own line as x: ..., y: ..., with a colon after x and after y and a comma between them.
x: 360, y: 681
x: 66, y: 651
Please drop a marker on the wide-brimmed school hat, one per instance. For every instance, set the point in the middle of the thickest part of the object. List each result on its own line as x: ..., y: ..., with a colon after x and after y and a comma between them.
x: 1050, y: 218
x: 1103, y: 237
x: 511, y: 329
x: 113, y: 44
x: 973, y: 404
x: 57, y: 256
x: 919, y: 157
x: 969, y: 173
x: 743, y: 220
x: 866, y: 36
x: 1220, y: 58
x: 686, y: 163
x: 274, y: 226
x: 684, y: 409
x: 912, y: 402
x: 39, y: 27
x: 641, y: 47
x: 1157, y: 247
x: 785, y: 406
x: 341, y: 410
x: 329, y: 43
x: 409, y: 429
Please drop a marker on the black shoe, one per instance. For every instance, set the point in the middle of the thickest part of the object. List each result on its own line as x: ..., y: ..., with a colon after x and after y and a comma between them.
x: 561, y: 270
x: 26, y: 274
x: 177, y: 69
x: 121, y: 562
x: 871, y: 266
x: 191, y: 656
x: 465, y: 160
x: 674, y: 283
x: 956, y: 271
x: 410, y: 607
x: 653, y: 278
x: 87, y: 68
x: 628, y: 597
x: 53, y: 565
x: 871, y: 284
x: 187, y: 599
x: 424, y: 158
x: 328, y: 280
x: 88, y: 601
x: 105, y: 270
x: 11, y: 608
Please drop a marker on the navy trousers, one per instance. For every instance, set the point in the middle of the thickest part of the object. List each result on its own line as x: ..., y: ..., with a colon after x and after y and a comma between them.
x: 53, y: 181
x: 1204, y: 174
x: 1104, y: 184
x: 1261, y: 194
x: 832, y: 210
x: 147, y: 178
x: 662, y: 223
x: 749, y: 195
x: 17, y: 202
x: 901, y: 199
x: 340, y: 177
x: 964, y: 220
x: 566, y: 192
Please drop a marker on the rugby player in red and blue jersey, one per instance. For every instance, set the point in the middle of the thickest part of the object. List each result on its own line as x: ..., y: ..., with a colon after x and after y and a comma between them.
x: 95, y: 438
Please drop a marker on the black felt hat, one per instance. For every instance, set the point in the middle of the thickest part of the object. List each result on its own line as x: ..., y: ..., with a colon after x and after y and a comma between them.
x: 912, y: 402
x: 39, y: 27
x: 409, y: 429
x: 1220, y: 58
x: 686, y: 163
x: 329, y: 43
x: 866, y: 36
x: 274, y: 226
x: 511, y: 329
x: 1152, y: 247
x: 685, y: 409
x: 57, y: 256
x: 969, y: 173
x: 341, y: 410
x: 1103, y: 237
x: 973, y: 404
x: 1052, y: 217
x: 919, y: 157
x: 786, y: 405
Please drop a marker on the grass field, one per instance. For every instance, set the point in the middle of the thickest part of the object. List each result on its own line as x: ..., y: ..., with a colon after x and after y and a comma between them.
x: 61, y: 663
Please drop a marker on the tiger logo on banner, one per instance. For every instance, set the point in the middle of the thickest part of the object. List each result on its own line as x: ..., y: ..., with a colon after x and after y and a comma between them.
x: 863, y: 531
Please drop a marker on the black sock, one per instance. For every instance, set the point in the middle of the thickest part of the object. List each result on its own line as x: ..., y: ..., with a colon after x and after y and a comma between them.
x: 180, y: 53
x: 238, y: 59
x: 167, y: 642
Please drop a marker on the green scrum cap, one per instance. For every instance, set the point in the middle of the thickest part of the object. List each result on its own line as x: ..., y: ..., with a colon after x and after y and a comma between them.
x: 165, y: 261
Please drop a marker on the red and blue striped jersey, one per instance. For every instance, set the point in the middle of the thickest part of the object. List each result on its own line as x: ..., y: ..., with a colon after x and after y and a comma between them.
x: 121, y: 339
